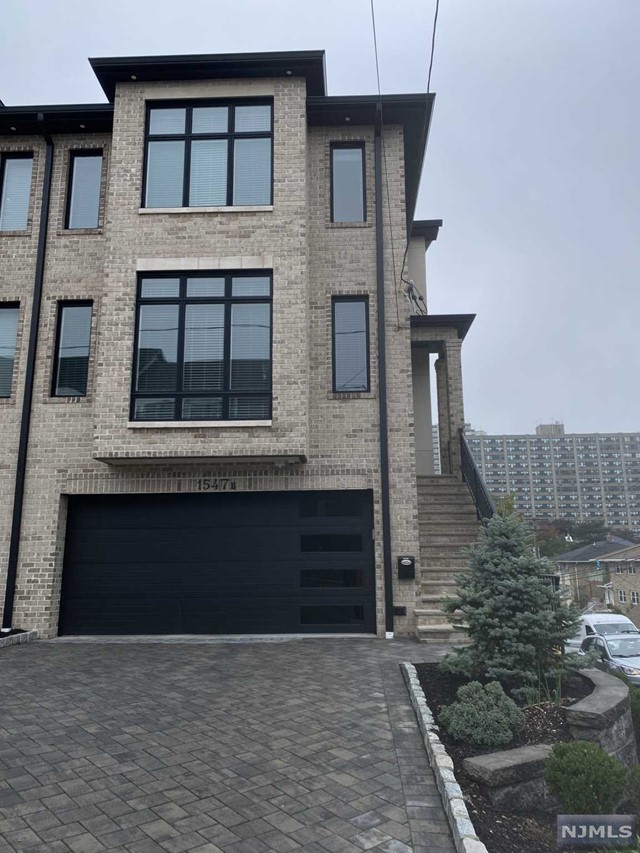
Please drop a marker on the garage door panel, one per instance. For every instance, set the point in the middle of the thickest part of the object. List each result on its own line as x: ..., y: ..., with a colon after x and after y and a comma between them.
x: 160, y: 546
x: 203, y: 511
x: 184, y: 564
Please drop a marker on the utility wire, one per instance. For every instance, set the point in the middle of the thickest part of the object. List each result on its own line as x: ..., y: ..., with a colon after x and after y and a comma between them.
x: 433, y: 45
x: 384, y: 160
x: 433, y: 48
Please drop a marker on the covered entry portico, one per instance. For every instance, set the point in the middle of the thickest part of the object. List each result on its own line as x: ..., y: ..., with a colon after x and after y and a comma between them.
x: 442, y: 335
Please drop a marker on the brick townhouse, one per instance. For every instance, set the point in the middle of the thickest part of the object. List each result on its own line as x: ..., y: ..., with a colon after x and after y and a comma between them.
x: 214, y: 396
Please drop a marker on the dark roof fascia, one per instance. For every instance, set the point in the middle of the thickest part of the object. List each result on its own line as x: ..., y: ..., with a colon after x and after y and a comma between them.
x: 60, y: 118
x: 412, y: 111
x: 303, y: 63
x: 460, y: 322
x: 426, y: 228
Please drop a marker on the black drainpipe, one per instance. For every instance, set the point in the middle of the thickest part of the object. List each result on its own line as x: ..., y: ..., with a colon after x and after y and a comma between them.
x: 382, y: 382
x: 25, y: 423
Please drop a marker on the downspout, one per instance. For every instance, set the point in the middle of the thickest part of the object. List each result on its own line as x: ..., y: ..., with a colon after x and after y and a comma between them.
x: 25, y: 422
x: 382, y: 383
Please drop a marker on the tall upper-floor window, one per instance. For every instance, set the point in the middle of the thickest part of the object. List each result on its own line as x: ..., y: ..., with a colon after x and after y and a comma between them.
x: 209, y: 154
x: 203, y: 347
x: 15, y: 191
x: 350, y: 343
x: 348, y: 201
x: 9, y: 313
x: 83, y: 197
x: 71, y: 363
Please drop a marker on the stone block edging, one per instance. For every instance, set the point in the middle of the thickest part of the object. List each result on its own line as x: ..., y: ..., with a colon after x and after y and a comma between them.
x: 463, y: 830
x: 16, y: 639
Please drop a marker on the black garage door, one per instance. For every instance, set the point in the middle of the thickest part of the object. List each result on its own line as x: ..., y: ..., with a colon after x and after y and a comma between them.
x: 224, y: 563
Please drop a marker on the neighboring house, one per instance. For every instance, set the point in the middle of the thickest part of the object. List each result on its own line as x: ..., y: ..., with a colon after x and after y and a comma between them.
x: 624, y: 575
x: 215, y: 398
x: 577, y: 476
x: 585, y: 571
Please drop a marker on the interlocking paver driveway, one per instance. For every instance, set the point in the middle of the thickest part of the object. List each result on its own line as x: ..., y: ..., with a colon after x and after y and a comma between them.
x: 306, y: 745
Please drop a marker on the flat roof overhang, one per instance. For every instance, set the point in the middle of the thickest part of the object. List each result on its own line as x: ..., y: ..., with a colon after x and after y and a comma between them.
x: 460, y: 322
x: 57, y: 118
x: 412, y: 111
x: 212, y: 66
x: 426, y: 228
x: 279, y: 460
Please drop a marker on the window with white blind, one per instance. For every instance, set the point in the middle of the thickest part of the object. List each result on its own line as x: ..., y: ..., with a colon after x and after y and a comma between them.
x: 15, y: 191
x: 208, y: 154
x: 203, y: 347
x: 350, y: 343
x: 9, y: 313
x: 71, y: 363
x: 83, y: 198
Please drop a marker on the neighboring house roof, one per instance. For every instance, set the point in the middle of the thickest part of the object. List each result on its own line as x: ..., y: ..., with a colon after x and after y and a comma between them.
x: 596, y: 551
x: 630, y: 552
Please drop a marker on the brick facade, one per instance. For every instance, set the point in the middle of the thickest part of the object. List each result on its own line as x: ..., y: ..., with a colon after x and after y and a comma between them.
x: 75, y: 441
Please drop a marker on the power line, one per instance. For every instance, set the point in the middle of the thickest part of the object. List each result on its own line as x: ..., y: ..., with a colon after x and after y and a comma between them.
x: 433, y: 45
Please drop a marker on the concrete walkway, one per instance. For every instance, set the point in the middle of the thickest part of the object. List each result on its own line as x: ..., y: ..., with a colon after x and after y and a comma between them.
x: 243, y: 747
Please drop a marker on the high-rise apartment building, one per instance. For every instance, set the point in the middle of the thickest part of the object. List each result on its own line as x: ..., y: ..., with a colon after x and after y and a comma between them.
x: 577, y: 476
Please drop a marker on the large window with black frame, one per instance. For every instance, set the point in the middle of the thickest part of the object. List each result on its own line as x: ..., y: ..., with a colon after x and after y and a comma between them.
x: 208, y: 154
x: 203, y: 347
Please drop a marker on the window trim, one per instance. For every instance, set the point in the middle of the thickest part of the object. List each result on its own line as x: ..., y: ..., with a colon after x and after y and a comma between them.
x: 62, y: 304
x: 182, y: 301
x: 73, y: 154
x: 4, y: 306
x: 362, y: 145
x: 188, y: 138
x: 350, y: 298
x: 16, y: 155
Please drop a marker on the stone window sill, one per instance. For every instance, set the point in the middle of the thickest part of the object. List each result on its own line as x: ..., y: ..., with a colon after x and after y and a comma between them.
x: 77, y: 232
x: 340, y: 225
x: 195, y: 424
x: 25, y: 233
x: 257, y: 208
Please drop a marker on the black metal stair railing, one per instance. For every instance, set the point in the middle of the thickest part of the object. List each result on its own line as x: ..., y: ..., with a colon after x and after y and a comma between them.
x: 485, y: 507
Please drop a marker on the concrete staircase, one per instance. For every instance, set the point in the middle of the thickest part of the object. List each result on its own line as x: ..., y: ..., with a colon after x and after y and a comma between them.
x: 448, y: 523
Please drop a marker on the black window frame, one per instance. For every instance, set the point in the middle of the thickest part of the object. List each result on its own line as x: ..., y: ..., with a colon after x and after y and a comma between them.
x: 73, y: 154
x: 188, y: 136
x: 362, y: 145
x: 334, y: 301
x: 15, y: 306
x: 16, y: 155
x: 62, y: 304
x: 182, y: 300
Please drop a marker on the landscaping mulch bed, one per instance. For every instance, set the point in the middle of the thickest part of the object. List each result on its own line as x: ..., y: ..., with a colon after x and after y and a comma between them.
x: 534, y: 832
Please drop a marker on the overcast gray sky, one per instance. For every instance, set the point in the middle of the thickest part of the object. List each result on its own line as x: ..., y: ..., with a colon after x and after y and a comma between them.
x: 533, y: 163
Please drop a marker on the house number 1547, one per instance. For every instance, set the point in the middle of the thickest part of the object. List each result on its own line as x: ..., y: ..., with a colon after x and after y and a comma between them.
x: 217, y: 485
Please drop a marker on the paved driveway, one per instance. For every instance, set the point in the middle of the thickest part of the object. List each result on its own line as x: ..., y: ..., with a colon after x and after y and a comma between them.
x: 306, y: 745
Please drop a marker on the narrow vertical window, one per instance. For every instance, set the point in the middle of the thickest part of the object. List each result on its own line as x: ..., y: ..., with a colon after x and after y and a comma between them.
x: 8, y: 334
x: 15, y: 181
x: 85, y: 174
x: 348, y: 202
x: 71, y: 366
x: 350, y: 344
